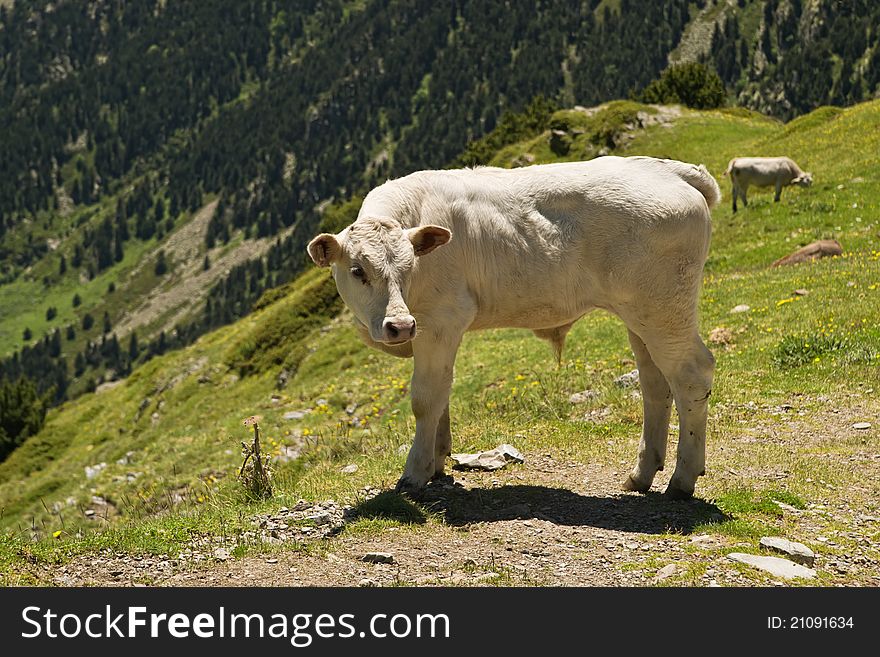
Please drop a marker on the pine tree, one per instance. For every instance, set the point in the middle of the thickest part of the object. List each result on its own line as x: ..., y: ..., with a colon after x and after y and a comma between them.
x: 22, y: 413
x: 161, y: 267
x: 134, y: 349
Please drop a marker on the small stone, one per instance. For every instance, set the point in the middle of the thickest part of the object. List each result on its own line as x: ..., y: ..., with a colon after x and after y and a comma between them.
x: 721, y: 336
x: 741, y: 308
x: 221, y: 554
x: 796, y: 551
x: 366, y: 583
x: 774, y: 565
x: 583, y: 397
x: 350, y: 469
x: 92, y: 471
x: 628, y: 380
x: 271, y: 560
x: 666, y: 572
x: 294, y: 415
x: 861, y: 426
x: 801, y: 292
x: 404, y: 449
x: 704, y: 541
x: 321, y: 518
x: 378, y: 557
x: 490, y: 460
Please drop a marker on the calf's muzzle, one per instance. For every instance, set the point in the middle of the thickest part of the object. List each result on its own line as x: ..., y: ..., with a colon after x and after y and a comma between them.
x: 400, y: 328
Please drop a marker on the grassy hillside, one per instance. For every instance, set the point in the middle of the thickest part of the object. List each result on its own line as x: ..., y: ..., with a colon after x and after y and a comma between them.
x: 794, y: 373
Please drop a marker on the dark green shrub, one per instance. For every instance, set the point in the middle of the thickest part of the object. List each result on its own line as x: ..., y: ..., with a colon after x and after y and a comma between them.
x: 694, y: 84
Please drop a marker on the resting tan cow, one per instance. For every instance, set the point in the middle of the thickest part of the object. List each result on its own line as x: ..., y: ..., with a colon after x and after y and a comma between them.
x: 438, y: 253
x: 764, y: 172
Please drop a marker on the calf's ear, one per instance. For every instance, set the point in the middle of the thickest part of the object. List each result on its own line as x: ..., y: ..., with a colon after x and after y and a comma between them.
x: 427, y: 238
x: 324, y: 249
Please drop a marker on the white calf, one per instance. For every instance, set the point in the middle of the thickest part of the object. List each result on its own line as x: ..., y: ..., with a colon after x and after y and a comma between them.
x: 537, y: 248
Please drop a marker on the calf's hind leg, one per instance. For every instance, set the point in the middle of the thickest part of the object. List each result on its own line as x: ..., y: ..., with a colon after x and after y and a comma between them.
x: 689, y: 367
x: 657, y: 406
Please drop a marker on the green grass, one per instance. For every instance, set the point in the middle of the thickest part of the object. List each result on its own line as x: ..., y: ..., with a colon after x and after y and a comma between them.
x: 178, y: 482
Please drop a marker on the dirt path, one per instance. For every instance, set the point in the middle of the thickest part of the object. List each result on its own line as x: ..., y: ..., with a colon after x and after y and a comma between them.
x: 548, y: 522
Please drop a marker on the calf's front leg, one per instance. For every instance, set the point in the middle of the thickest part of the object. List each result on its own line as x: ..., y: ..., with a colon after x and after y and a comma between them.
x: 431, y: 382
x: 442, y: 443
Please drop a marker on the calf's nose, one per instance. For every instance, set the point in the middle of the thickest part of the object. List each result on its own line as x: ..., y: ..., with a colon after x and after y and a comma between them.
x: 399, y: 328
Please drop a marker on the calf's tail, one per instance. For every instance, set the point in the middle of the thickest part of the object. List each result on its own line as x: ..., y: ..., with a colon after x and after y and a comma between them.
x: 698, y: 177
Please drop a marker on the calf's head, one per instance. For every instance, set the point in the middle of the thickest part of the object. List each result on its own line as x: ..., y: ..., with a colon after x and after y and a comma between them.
x: 372, y: 262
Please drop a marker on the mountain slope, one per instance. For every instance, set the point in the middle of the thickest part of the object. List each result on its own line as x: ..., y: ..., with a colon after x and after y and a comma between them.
x: 124, y: 123
x: 169, y: 433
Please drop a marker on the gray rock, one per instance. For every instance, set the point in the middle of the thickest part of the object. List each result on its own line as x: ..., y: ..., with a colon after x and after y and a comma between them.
x: 92, y: 471
x: 221, y: 554
x: 288, y: 453
x: 321, y: 518
x: 492, y: 459
x: 628, y: 380
x: 741, y: 308
x: 774, y: 565
x: 861, y: 426
x: 378, y: 557
x: 797, y: 551
x: 583, y: 397
x: 350, y: 469
x: 294, y: 415
x: 705, y: 541
x: 666, y: 572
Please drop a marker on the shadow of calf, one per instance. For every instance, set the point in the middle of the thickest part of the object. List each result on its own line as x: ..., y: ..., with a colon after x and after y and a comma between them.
x: 651, y: 513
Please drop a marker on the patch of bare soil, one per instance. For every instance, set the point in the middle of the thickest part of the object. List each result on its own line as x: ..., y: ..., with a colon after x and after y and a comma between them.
x: 188, y: 285
x: 697, y: 37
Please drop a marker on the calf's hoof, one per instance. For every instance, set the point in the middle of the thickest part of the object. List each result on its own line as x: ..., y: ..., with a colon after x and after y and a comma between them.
x: 407, y: 486
x: 636, y: 486
x: 673, y: 492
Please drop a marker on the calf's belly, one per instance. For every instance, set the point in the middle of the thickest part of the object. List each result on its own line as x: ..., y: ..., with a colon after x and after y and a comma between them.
x: 539, y: 312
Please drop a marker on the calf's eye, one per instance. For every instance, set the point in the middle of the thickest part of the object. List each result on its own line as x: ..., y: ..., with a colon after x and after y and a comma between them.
x: 358, y: 273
